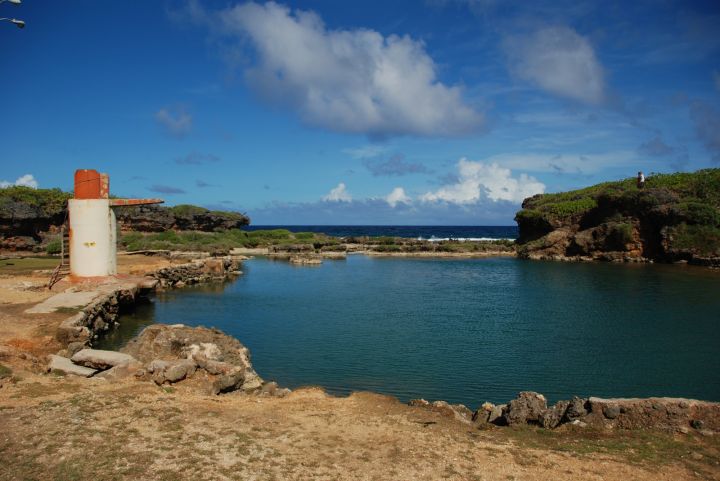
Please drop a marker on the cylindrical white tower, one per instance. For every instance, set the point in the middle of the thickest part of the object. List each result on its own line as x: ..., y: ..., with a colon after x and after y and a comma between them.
x: 93, y: 228
x: 92, y: 238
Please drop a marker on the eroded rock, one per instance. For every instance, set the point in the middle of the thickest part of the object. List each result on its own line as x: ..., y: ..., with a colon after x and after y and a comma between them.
x: 173, y: 353
x: 526, y: 408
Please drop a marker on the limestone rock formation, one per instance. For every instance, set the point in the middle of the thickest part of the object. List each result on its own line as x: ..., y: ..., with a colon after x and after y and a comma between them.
x: 173, y: 353
x: 152, y: 218
x: 527, y: 407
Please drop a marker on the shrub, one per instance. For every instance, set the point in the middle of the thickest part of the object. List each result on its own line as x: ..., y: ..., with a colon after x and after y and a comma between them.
x: 187, y: 210
x: 54, y: 247
x: 701, y: 238
x: 699, y: 213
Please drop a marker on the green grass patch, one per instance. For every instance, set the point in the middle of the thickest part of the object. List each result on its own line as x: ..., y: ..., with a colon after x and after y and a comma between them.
x: 5, y: 371
x: 27, y: 265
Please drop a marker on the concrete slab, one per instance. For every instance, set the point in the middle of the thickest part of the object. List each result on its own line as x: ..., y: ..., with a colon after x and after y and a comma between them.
x: 100, y: 359
x: 65, y: 365
x: 67, y: 300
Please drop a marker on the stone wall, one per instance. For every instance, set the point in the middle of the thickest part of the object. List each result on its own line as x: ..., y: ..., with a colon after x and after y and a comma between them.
x: 196, y: 271
x: 101, y: 314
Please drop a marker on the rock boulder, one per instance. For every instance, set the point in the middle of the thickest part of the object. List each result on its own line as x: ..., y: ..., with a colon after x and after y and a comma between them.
x: 526, y: 408
x: 174, y: 352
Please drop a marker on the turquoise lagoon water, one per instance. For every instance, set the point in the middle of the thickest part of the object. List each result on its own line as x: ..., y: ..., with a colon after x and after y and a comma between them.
x: 465, y: 330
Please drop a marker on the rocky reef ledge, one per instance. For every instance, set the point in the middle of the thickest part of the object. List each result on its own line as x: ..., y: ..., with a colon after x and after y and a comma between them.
x: 671, y: 414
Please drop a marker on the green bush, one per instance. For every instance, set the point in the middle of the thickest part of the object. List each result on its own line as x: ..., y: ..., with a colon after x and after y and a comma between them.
x: 701, y: 238
x: 620, y: 234
x: 699, y: 213
x: 54, y: 247
x: 572, y: 207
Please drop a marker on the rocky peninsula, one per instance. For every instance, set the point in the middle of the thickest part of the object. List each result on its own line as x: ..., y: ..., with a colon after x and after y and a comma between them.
x: 672, y: 218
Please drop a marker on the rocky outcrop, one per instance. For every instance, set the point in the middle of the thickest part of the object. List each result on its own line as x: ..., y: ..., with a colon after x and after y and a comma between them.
x: 218, y: 363
x: 154, y: 218
x: 30, y: 218
x: 526, y: 408
x: 196, y: 271
x: 670, y: 414
x: 674, y: 218
x: 460, y: 412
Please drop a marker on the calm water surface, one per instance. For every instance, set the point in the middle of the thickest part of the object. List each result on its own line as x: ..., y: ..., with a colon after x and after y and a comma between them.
x: 465, y: 330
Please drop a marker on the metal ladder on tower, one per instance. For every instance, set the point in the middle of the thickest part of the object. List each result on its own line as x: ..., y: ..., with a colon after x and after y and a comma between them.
x: 63, y: 268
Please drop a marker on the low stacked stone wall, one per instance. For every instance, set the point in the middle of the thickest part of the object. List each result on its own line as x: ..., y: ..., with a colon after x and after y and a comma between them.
x: 196, y: 271
x: 100, y: 315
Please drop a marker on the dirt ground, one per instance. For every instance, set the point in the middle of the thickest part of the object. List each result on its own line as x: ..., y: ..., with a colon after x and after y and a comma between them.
x: 67, y: 428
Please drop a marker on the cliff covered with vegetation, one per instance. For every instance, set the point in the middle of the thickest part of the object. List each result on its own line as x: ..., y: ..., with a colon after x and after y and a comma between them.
x: 673, y: 218
x: 31, y: 218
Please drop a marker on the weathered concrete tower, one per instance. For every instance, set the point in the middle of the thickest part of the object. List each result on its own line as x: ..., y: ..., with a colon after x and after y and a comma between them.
x: 92, y: 236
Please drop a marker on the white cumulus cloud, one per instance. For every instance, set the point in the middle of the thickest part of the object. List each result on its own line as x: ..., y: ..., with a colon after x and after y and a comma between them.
x: 559, y: 60
x: 26, y: 180
x: 356, y: 81
x: 477, y: 181
x: 397, y: 196
x: 338, y: 194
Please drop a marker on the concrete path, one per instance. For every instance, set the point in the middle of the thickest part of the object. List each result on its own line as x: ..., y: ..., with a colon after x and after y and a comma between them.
x: 64, y: 300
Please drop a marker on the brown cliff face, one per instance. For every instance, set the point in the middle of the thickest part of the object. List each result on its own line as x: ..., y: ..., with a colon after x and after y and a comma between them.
x: 182, y: 217
x: 674, y: 218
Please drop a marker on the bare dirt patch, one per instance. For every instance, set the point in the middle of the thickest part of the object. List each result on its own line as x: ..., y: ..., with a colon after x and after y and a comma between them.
x: 71, y: 428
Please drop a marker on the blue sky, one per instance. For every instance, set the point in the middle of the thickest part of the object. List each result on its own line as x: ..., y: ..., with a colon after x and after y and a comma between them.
x: 326, y: 112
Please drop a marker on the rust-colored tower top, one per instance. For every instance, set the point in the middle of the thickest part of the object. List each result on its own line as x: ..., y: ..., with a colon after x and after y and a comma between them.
x: 90, y: 184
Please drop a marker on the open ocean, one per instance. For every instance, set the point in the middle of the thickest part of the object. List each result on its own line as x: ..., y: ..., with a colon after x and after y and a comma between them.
x: 483, y: 232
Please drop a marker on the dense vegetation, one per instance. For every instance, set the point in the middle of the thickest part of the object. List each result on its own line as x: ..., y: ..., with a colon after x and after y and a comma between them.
x: 674, y: 213
x: 46, y: 202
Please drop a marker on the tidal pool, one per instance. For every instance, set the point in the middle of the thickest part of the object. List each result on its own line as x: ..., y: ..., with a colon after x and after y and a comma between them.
x: 465, y: 330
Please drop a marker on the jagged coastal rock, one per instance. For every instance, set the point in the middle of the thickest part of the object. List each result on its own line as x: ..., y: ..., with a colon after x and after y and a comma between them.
x: 172, y: 353
x: 672, y: 218
x: 671, y: 414
x: 153, y: 218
